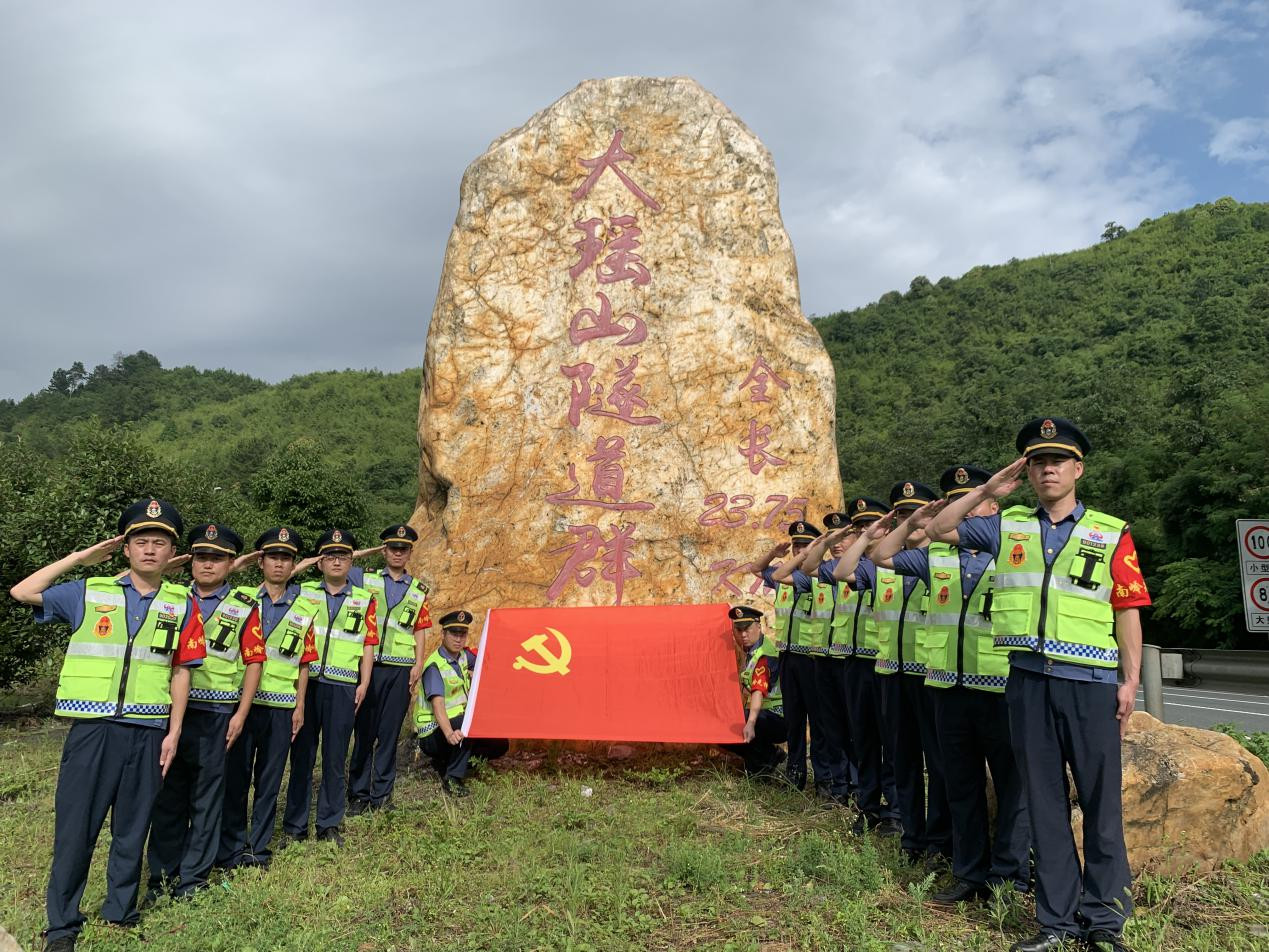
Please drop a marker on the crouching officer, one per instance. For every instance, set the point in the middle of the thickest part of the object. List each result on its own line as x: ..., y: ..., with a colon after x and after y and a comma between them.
x: 125, y: 681
x: 764, y: 728
x: 1066, y: 605
x: 345, y: 632
x: 442, y: 702
x: 277, y: 711
x: 185, y: 829
x: 401, y: 607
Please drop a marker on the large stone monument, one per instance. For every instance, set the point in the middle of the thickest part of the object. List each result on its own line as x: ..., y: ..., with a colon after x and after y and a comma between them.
x: 622, y: 400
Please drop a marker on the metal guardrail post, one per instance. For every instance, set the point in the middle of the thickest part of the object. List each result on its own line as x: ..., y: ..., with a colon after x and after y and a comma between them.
x: 1152, y: 680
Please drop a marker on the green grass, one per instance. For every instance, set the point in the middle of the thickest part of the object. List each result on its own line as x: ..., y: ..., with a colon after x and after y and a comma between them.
x: 656, y: 857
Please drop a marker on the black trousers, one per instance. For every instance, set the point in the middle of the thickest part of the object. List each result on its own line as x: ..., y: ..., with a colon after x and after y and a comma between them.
x: 329, y: 711
x: 106, y: 767
x: 372, y: 772
x: 761, y: 754
x: 451, y: 761
x: 185, y: 827
x: 1056, y: 723
x: 973, y: 728
x: 873, y: 768
x: 797, y: 694
x: 830, y: 699
x: 258, y: 757
x: 908, y: 721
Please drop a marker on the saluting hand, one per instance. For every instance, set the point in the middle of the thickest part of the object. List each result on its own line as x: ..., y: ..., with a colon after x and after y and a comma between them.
x: 1007, y: 480
x: 175, y: 563
x: 881, y: 527
x: 780, y: 549
x: 240, y: 563
x: 98, y: 553
x: 921, y: 517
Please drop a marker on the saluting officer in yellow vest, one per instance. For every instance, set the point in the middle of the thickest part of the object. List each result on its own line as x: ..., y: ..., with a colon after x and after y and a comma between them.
x: 442, y: 702
x: 277, y: 711
x: 345, y: 632
x: 402, y: 609
x: 764, y: 729
x: 900, y: 607
x: 124, y: 682
x: 1068, y: 589
x: 966, y: 675
x: 185, y: 829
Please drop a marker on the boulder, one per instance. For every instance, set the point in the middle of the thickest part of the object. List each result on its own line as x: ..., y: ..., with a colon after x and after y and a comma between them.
x: 622, y: 401
x: 1192, y: 798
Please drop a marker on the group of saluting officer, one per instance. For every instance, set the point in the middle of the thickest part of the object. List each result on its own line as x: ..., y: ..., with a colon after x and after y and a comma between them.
x: 932, y: 638
x: 186, y: 697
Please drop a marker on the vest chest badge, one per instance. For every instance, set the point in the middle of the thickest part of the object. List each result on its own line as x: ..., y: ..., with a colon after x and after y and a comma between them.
x: 1019, y: 536
x: 942, y: 576
x: 103, y: 608
x: 888, y: 596
x: 1018, y: 555
x: 104, y: 627
x: 943, y: 595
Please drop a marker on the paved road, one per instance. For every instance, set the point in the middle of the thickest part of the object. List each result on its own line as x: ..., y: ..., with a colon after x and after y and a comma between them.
x: 1215, y: 703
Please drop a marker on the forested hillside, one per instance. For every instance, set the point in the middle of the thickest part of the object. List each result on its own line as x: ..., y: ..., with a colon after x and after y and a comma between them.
x: 1155, y: 341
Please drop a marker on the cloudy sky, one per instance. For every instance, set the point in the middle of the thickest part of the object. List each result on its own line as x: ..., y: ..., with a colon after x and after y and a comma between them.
x: 269, y: 186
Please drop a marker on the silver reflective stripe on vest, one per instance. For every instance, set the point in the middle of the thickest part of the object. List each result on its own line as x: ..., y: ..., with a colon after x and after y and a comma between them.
x: 1031, y: 526
x: 226, y: 654
x: 139, y: 652
x: 944, y: 619
x: 103, y: 598
x: 886, y: 616
x: 274, y: 655
x: 1036, y: 580
x: 345, y: 636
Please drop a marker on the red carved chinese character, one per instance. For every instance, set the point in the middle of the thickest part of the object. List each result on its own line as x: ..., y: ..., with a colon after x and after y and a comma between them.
x: 588, y: 397
x: 589, y: 544
x: 609, y: 160
x: 753, y: 448
x: 724, y: 570
x: 760, y: 374
x: 607, y: 482
x: 603, y: 325
x: 621, y: 241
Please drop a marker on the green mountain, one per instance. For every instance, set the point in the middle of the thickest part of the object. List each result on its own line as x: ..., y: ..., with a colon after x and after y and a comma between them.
x: 1155, y: 341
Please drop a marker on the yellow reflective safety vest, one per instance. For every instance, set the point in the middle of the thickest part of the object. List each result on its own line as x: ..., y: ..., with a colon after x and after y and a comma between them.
x: 1060, y: 610
x: 283, y: 649
x: 817, y: 629
x: 339, y: 640
x: 959, y: 650
x: 108, y: 673
x: 801, y: 626
x: 396, y: 627
x: 900, y: 619
x: 457, y: 687
x: 764, y: 649
x: 219, y: 678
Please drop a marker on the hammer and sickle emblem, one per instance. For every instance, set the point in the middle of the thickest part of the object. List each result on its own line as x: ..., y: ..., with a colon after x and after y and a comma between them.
x: 551, y: 662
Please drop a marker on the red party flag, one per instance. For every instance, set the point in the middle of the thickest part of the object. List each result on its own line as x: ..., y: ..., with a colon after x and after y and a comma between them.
x: 623, y: 673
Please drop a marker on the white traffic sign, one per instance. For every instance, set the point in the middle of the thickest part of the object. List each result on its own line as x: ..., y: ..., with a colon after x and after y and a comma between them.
x: 1253, y: 558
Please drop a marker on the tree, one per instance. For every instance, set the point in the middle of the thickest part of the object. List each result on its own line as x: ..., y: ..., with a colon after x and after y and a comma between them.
x: 1113, y: 231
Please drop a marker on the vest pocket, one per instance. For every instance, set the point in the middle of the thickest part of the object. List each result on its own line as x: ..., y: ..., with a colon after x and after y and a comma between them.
x: 1013, y: 614
x: 1084, y: 620
x: 91, y: 680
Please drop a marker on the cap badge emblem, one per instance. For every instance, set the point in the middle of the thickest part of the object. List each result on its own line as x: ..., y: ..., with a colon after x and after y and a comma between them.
x: 211, y: 533
x: 1048, y: 430
x: 336, y: 536
x: 961, y: 476
x: 284, y: 535
x: 401, y: 532
x: 908, y: 490
x: 860, y: 505
x: 154, y: 510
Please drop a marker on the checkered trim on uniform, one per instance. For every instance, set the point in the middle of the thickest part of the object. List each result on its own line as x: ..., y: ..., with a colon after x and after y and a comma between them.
x: 778, y: 710
x: 396, y: 659
x: 866, y: 652
x: 969, y: 680
x: 207, y: 694
x: 1064, y: 648
x: 782, y: 646
x: 105, y: 708
x: 914, y: 667
x: 314, y: 668
x: 886, y: 666
x: 274, y: 697
x: 940, y: 677
x: 801, y: 649
x: 429, y: 728
x: 840, y: 651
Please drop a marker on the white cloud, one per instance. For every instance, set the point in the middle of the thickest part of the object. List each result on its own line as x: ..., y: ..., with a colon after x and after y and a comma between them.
x: 1241, y: 140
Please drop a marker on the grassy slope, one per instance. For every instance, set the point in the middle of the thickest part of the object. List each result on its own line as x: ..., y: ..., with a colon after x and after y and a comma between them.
x: 655, y: 858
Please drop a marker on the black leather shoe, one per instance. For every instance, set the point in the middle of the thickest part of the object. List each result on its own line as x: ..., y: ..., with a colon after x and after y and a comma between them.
x: 1103, y: 940
x: 331, y: 835
x: 863, y: 823
x: 961, y: 891
x: 286, y: 839
x: 914, y: 857
x: 454, y: 787
x: 357, y: 807
x: 889, y: 827
x: 384, y: 805
x: 65, y: 944
x: 1044, y: 942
